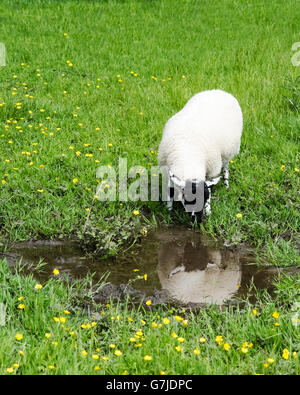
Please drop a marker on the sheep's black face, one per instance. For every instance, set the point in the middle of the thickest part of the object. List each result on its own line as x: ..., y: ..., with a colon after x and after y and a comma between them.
x: 195, y: 196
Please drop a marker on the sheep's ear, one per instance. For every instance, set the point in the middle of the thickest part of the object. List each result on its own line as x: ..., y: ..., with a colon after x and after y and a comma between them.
x: 212, y: 182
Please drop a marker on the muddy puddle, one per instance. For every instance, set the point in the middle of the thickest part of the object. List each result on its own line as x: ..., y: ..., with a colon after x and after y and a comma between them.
x: 176, y: 266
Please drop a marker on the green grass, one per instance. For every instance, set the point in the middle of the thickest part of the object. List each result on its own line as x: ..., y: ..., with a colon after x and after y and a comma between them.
x: 249, y: 335
x: 188, y: 46
x: 88, y: 82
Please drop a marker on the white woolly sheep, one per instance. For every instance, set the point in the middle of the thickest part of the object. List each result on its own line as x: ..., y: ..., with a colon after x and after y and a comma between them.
x: 197, y: 145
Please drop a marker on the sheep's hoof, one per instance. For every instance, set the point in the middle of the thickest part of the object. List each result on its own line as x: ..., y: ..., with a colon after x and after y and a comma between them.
x: 196, y: 218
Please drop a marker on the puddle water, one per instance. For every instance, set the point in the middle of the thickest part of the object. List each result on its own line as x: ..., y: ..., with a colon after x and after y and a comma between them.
x: 182, y: 266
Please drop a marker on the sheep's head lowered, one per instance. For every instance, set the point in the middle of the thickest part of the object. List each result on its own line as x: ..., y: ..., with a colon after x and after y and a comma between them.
x: 194, y: 195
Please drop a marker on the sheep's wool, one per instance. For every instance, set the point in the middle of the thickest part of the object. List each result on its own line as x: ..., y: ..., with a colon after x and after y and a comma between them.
x: 203, y: 137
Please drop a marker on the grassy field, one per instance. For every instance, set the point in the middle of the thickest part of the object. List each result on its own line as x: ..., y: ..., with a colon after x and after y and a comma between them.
x: 88, y: 82
x: 47, y: 331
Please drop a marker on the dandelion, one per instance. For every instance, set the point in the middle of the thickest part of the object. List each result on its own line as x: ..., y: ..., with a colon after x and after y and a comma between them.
x: 47, y: 335
x: 19, y: 336
x: 55, y: 272
x: 282, y: 167
x: 181, y: 339
x: 202, y: 340
x: 147, y: 358
x: 196, y: 351
x: 75, y: 180
x: 136, y: 212
x: 166, y: 321
x: 95, y: 356
x: 285, y: 354
x: 145, y: 276
x: 148, y: 303
x: 83, y: 353
x: 244, y: 350
x: 275, y: 315
x: 296, y: 170
x: 38, y: 286
x: 178, y: 348
x: 118, y: 353
x: 239, y: 215
x: 270, y: 360
x: 21, y: 306
x: 10, y: 370
x: 226, y: 346
x: 219, y: 340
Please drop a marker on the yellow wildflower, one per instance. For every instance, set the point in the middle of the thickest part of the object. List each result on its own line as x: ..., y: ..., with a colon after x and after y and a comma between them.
x: 285, y: 354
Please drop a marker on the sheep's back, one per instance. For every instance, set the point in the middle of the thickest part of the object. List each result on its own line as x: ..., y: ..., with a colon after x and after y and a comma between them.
x: 208, y: 128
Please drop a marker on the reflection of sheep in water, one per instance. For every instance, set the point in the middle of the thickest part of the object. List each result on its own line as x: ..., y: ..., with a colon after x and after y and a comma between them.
x: 193, y: 273
x: 198, y: 143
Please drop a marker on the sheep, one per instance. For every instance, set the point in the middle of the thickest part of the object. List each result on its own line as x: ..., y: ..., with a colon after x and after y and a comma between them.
x: 197, y: 145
